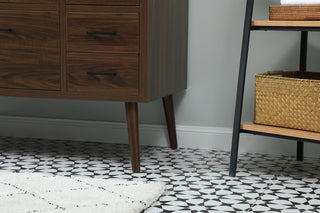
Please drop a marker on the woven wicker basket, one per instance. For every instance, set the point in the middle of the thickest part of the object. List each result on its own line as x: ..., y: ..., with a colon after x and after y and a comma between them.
x: 288, y: 99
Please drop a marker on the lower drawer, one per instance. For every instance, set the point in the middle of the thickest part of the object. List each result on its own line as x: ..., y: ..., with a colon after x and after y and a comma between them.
x: 102, y: 73
x: 30, y: 1
x: 105, y: 2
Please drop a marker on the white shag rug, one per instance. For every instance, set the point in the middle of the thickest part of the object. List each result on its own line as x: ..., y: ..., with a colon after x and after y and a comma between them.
x: 44, y: 193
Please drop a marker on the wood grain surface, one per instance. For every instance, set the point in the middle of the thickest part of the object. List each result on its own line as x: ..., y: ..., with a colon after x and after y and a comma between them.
x: 280, y: 131
x: 166, y: 47
x: 63, y: 48
x: 154, y: 31
x: 125, y: 26
x: 124, y: 68
x: 170, y: 119
x: 105, y: 2
x: 294, y: 12
x: 133, y: 133
x: 29, y: 7
x: 30, y: 52
x: 268, y: 23
x: 30, y: 1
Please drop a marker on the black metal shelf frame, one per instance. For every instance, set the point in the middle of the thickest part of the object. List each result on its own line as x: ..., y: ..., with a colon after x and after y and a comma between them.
x: 241, y: 83
x: 278, y: 28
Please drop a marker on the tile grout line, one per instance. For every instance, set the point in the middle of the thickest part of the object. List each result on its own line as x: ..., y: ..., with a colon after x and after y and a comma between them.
x: 260, y: 195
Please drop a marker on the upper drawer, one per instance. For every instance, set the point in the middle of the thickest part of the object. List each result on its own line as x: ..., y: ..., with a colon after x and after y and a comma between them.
x: 30, y: 1
x: 103, y: 32
x: 105, y: 2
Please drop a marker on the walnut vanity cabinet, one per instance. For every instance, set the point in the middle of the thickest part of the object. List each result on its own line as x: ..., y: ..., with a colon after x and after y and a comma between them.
x: 131, y: 51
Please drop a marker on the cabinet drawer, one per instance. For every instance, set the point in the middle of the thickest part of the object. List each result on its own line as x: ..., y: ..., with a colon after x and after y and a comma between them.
x: 102, y: 73
x: 31, y: 1
x: 103, y: 32
x: 30, y: 50
x: 105, y: 2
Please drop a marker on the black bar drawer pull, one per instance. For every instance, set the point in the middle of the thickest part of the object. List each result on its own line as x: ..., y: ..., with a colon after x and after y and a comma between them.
x: 102, y: 73
x: 5, y: 30
x: 101, y: 33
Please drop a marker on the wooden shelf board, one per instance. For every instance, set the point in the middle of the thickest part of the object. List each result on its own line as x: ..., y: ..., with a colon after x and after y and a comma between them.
x: 250, y: 126
x: 268, y: 23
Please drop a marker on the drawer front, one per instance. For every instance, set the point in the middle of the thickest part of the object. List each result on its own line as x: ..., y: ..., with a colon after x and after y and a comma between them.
x: 102, y: 73
x: 103, y: 32
x: 30, y: 50
x: 30, y: 1
x: 105, y: 2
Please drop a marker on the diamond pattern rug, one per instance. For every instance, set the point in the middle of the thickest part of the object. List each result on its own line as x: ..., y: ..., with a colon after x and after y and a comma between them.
x: 35, y: 192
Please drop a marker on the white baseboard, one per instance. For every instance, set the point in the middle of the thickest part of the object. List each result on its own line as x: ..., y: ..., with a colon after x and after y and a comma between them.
x: 216, y: 138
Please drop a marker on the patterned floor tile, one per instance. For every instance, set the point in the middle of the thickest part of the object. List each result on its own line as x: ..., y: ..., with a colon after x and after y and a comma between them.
x: 196, y: 180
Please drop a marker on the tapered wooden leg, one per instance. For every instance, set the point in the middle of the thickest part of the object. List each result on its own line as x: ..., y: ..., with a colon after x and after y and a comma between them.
x: 171, y: 123
x: 132, y: 121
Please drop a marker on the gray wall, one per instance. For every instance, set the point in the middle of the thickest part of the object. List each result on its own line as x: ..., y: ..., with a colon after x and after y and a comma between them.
x: 214, y: 52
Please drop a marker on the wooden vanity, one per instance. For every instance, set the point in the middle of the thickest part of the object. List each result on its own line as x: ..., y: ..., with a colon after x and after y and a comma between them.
x: 130, y: 51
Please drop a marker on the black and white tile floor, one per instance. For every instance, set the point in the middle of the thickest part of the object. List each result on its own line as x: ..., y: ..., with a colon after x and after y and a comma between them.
x: 197, y: 180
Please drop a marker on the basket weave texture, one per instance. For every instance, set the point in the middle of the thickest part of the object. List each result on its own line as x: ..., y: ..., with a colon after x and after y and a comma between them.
x: 288, y: 99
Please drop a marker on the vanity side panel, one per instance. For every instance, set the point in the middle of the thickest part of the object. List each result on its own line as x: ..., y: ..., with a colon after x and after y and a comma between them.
x: 167, y: 47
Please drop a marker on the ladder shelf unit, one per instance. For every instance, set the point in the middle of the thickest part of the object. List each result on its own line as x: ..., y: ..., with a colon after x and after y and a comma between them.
x: 299, y: 135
